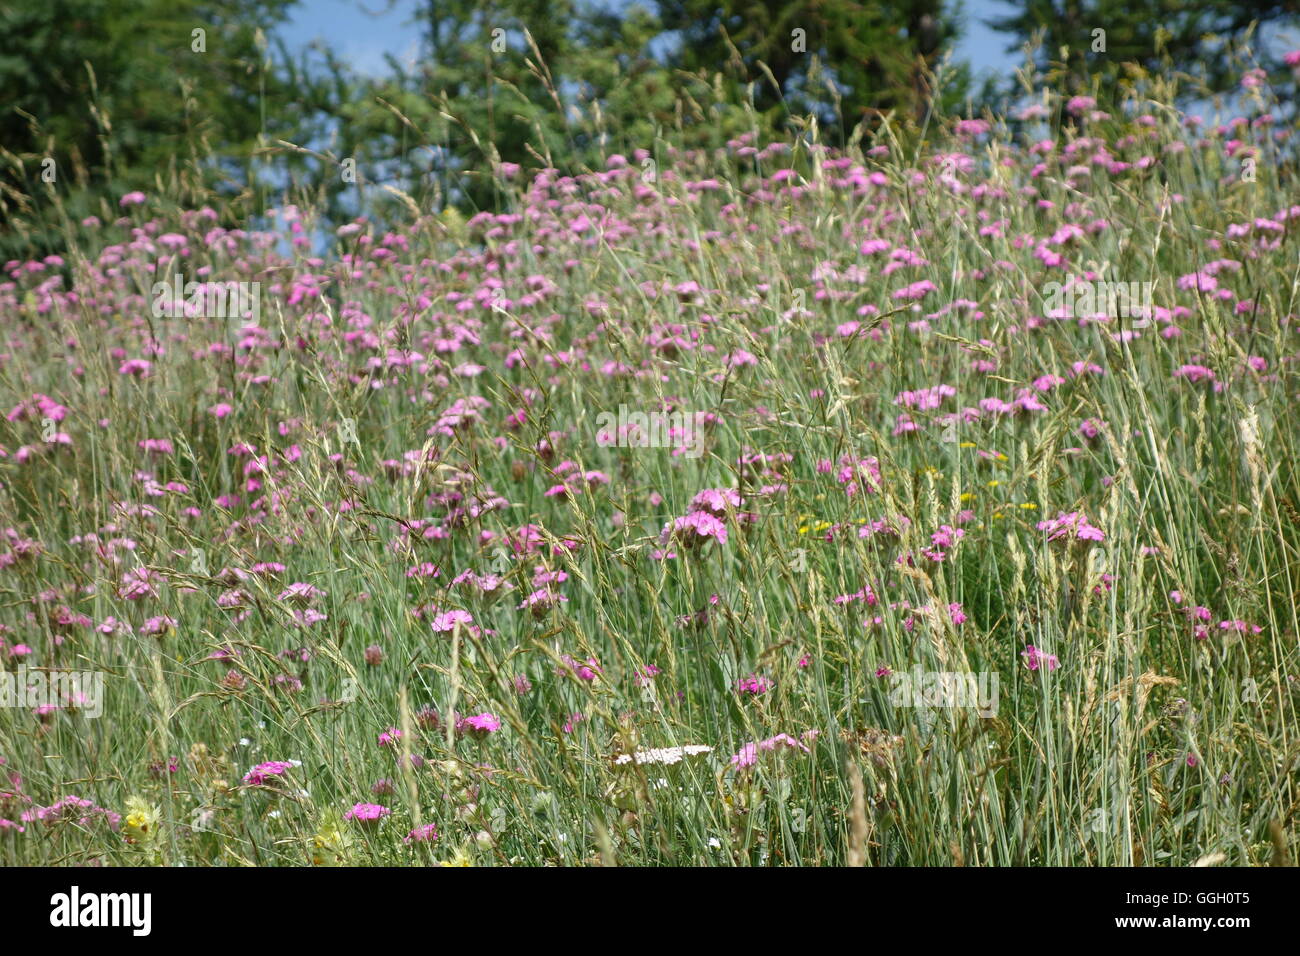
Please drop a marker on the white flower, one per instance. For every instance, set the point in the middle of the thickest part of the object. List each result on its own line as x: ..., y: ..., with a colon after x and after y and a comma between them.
x: 663, y: 755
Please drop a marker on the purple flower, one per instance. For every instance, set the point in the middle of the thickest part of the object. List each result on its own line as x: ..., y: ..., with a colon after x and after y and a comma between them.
x: 263, y: 773
x: 1037, y: 659
x: 479, y: 725
x: 425, y: 834
x: 367, y: 814
x: 748, y: 754
x: 754, y: 684
x: 694, y: 529
x: 447, y: 621
x: 1071, y: 524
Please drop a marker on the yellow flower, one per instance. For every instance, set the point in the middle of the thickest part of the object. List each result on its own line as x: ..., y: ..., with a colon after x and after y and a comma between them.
x: 141, y: 822
x: 329, y: 844
x: 460, y: 859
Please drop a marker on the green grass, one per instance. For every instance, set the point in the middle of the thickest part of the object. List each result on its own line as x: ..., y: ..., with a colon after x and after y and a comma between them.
x: 1084, y: 765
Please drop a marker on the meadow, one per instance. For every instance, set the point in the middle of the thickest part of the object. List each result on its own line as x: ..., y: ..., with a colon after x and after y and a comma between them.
x: 930, y: 502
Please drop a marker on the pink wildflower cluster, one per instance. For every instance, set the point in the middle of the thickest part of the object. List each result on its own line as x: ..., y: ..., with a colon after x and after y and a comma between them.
x: 367, y: 814
x: 272, y: 770
x: 748, y: 754
x: 1036, y: 659
x: 693, y: 530
x: 1070, y: 526
x: 479, y: 725
x: 1201, y: 619
x: 78, y: 809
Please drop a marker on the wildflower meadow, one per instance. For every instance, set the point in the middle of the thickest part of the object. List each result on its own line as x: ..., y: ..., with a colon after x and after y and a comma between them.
x: 925, y: 499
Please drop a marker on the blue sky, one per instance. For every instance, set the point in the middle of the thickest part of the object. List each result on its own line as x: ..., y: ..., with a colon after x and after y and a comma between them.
x: 362, y: 38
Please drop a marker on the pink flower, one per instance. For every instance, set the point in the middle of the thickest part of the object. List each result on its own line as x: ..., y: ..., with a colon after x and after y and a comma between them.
x: 947, y: 536
x: 300, y: 593
x: 740, y: 358
x: 260, y: 775
x: 1070, y: 525
x: 68, y: 809
x: 446, y: 621
x: 1198, y: 373
x: 716, y: 501
x: 425, y: 834
x: 572, y: 722
x: 580, y: 670
x: 863, y: 474
x: 137, y: 367
x: 753, y: 685
x: 541, y: 601
x: 139, y: 583
x: 367, y: 814
x: 1036, y: 658
x: 917, y: 290
x: 158, y: 626
x: 694, y: 529
x: 479, y: 725
x: 748, y: 754
x: 156, y: 446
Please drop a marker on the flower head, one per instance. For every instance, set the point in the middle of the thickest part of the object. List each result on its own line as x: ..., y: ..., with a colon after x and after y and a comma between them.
x: 425, y: 834
x: 1036, y: 659
x: 265, y: 773
x: 479, y: 725
x: 141, y: 823
x: 1069, y: 526
x: 367, y: 814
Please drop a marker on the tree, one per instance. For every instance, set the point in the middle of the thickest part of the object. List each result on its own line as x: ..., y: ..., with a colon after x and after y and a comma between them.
x: 120, y: 94
x: 1194, y: 37
x: 875, y: 56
